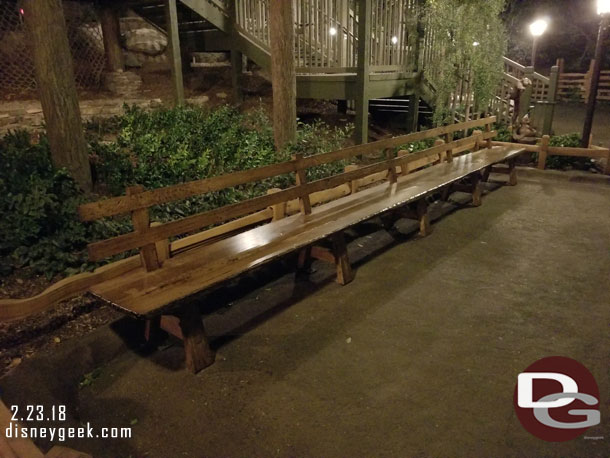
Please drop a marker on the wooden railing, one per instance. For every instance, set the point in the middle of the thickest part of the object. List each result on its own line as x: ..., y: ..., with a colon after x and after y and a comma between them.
x: 544, y: 150
x: 577, y: 86
x: 326, y: 33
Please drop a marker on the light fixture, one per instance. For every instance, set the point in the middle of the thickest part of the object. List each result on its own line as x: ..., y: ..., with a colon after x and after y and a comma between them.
x: 394, y: 39
x: 332, y: 31
x: 538, y: 27
x: 603, y: 6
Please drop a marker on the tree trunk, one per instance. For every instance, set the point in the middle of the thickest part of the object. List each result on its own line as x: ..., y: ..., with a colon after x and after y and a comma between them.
x: 57, y: 90
x: 111, y: 31
x: 283, y: 74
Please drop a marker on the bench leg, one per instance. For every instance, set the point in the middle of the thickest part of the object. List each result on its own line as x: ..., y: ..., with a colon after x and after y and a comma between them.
x: 486, y: 173
x: 197, y: 350
x: 512, y: 172
x: 446, y: 192
x: 477, y: 189
x: 344, y: 268
x: 425, y: 227
x: 304, y: 262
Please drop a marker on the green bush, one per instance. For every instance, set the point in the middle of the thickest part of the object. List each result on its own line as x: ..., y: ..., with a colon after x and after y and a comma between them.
x: 566, y: 162
x: 38, y: 218
x: 38, y: 203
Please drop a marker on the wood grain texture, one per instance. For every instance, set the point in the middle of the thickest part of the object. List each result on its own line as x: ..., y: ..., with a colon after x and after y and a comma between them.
x: 50, y: 53
x: 283, y: 72
x: 146, y: 294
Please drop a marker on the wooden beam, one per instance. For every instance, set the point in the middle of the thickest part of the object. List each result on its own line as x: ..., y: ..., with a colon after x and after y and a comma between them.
x: 173, y: 38
x: 283, y: 74
x: 54, y: 70
x: 363, y: 79
x: 198, y: 353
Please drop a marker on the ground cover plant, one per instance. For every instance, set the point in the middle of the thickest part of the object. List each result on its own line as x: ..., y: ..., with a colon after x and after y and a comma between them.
x: 38, y: 203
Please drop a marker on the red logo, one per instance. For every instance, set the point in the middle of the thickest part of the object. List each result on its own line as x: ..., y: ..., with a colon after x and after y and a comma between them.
x: 557, y: 399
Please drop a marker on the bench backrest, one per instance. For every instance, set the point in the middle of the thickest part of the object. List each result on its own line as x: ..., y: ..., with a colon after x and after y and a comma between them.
x: 138, y: 201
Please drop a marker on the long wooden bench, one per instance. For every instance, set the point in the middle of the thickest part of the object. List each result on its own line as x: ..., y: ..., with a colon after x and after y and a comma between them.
x: 256, y: 231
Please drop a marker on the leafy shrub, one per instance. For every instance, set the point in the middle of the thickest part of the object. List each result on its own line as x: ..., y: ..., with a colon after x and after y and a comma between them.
x: 567, y: 162
x: 38, y: 203
x: 38, y: 218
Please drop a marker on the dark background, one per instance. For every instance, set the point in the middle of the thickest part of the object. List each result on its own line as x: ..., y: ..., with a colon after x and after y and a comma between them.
x: 572, y: 32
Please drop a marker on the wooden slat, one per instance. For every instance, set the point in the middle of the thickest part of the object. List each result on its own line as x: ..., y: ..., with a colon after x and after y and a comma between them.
x: 126, y: 204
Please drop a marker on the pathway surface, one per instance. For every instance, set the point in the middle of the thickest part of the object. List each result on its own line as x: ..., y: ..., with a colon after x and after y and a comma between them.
x: 418, y: 357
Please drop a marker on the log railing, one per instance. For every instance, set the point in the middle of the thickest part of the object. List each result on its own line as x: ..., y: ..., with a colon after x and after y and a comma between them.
x: 577, y: 86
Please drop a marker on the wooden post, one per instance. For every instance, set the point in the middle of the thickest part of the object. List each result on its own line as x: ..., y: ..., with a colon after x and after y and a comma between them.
x: 449, y: 152
x: 197, y: 351
x: 141, y: 223
x: 54, y: 70
x: 364, y: 74
x: 111, y: 32
x: 301, y: 179
x: 413, y: 115
x: 279, y: 210
x: 551, y: 100
x: 283, y: 73
x: 389, y: 155
x: 173, y: 39
x: 544, y: 150
x: 237, y: 58
x: 237, y: 70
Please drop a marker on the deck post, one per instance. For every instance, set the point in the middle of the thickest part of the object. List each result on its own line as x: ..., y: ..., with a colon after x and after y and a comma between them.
x: 283, y: 72
x: 413, y: 115
x: 364, y: 74
x: 237, y: 58
x: 173, y: 38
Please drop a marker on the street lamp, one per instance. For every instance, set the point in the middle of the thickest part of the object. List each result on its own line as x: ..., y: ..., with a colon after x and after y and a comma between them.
x: 603, y: 9
x: 537, y: 29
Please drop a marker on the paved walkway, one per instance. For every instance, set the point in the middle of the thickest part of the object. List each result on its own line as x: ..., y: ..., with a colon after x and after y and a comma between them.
x: 418, y: 357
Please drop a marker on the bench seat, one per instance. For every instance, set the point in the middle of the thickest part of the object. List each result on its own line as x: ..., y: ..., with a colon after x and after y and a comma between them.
x: 147, y: 294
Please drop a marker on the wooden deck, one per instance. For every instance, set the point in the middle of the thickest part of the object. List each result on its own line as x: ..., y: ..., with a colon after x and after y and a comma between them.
x: 144, y: 294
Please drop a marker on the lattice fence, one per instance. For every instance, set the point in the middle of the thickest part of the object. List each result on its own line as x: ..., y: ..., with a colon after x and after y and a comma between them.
x: 84, y: 36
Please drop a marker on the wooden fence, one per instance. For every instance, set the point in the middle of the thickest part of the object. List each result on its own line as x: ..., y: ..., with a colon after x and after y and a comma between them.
x: 576, y: 86
x: 541, y: 95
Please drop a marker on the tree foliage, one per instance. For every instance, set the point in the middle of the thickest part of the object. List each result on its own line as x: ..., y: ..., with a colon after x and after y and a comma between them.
x: 458, y: 25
